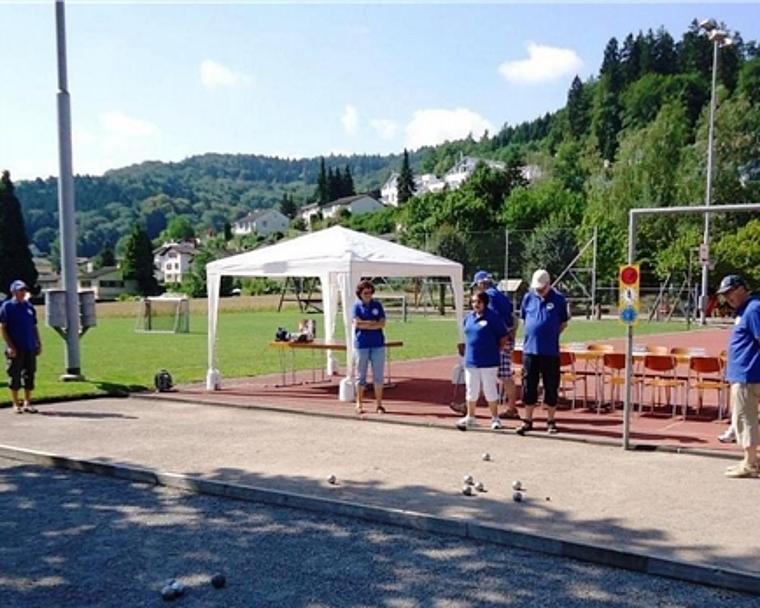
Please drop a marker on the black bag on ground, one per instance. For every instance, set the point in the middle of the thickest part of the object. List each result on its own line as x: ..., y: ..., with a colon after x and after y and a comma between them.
x: 163, y: 381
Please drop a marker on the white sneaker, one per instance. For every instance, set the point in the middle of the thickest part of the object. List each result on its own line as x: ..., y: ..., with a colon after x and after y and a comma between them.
x: 496, y: 424
x: 468, y: 422
x: 729, y: 436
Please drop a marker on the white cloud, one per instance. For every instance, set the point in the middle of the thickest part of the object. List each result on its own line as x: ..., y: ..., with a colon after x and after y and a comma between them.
x: 350, y: 120
x: 116, y: 140
x: 431, y: 127
x: 215, y: 74
x: 384, y: 127
x: 544, y: 63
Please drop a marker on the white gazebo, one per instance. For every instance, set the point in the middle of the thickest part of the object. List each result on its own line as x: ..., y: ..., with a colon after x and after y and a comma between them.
x: 339, y: 258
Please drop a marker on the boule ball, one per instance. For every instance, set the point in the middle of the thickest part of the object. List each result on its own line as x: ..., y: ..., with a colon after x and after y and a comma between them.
x: 486, y: 456
x: 218, y: 581
x: 168, y: 593
x: 332, y: 480
x: 179, y: 588
x: 467, y: 490
x: 480, y: 487
x: 517, y: 485
x: 517, y: 496
x: 468, y: 479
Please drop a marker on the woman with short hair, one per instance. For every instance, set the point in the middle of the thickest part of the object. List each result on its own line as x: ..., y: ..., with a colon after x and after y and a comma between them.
x: 369, y: 344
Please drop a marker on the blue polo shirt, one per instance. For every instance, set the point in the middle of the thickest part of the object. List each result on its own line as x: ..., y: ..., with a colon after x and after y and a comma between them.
x: 501, y: 305
x: 482, y: 335
x: 743, y: 347
x: 542, y: 318
x: 369, y: 338
x: 20, y: 320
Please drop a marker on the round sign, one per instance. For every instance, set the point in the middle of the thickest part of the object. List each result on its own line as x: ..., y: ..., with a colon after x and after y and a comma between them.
x: 629, y: 315
x: 629, y: 275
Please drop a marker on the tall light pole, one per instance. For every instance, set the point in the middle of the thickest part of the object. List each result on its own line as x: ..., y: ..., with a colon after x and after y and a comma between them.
x: 719, y: 39
x: 67, y: 222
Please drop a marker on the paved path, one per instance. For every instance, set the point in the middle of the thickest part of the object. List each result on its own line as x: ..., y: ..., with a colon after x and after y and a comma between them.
x: 651, y: 511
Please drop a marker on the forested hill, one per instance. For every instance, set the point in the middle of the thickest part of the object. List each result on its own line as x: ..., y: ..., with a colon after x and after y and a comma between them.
x: 210, y: 190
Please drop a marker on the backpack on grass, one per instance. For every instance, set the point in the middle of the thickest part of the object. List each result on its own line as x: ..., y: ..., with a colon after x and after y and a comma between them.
x: 163, y: 381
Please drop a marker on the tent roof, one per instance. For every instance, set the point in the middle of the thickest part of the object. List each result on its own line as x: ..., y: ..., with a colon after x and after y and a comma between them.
x: 335, y: 249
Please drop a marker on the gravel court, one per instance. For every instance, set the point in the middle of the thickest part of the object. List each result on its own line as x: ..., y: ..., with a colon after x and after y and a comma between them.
x: 77, y: 540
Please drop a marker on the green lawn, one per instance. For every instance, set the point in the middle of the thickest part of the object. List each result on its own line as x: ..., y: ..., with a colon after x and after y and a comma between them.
x: 114, y: 358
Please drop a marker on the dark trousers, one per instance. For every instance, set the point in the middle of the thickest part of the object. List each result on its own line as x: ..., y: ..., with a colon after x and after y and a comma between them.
x: 22, y: 367
x: 546, y: 368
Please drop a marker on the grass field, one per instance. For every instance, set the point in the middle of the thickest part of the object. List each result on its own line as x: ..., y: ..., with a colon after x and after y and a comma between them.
x: 116, y: 359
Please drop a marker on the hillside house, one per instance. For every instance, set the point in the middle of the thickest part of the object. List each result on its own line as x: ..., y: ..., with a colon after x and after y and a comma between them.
x: 173, y: 261
x: 428, y: 182
x: 262, y: 223
x: 107, y: 283
x: 356, y: 204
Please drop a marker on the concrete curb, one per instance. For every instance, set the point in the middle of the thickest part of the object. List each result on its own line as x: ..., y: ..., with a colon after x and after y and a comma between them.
x: 746, y: 582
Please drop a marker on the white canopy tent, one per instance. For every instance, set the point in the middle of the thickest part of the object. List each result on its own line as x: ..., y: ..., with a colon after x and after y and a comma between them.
x: 339, y: 258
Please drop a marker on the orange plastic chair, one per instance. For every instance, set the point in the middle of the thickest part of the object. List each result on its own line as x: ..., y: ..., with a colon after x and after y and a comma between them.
x: 706, y: 373
x: 614, y: 376
x: 570, y: 378
x: 660, y: 375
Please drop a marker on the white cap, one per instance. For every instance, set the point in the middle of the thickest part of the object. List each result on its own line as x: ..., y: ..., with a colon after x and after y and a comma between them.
x: 540, y: 279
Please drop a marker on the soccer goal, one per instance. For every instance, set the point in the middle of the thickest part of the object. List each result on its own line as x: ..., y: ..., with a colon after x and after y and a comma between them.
x: 164, y: 314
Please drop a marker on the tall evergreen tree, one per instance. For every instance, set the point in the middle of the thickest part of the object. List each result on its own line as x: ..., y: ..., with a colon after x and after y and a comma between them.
x: 577, y: 109
x: 138, y: 262
x: 15, y: 257
x: 321, y: 194
x: 288, y: 206
x: 106, y: 257
x: 348, y: 182
x: 405, y: 182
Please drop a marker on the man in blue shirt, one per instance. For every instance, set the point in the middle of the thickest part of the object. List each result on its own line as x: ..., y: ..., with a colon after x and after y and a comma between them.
x: 545, y: 316
x: 22, y: 344
x: 743, y: 371
x: 501, y: 304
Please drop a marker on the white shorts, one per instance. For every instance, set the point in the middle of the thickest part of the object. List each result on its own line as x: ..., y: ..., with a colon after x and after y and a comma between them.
x: 486, y: 378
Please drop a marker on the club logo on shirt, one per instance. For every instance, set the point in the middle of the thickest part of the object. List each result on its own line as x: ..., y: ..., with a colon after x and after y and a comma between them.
x: 550, y: 306
x: 483, y: 323
x: 376, y: 311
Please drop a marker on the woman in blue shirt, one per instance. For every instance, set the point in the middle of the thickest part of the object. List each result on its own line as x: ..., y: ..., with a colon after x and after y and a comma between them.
x: 485, y: 337
x: 369, y: 344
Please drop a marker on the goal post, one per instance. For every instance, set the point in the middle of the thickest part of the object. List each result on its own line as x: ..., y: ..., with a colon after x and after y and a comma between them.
x: 163, y: 314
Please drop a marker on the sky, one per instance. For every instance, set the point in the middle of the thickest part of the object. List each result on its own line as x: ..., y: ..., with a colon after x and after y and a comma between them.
x: 165, y: 81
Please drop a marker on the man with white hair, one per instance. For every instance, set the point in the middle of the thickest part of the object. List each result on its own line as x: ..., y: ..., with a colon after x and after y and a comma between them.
x: 545, y: 316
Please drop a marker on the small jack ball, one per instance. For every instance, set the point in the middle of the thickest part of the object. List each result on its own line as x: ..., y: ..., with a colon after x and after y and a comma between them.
x: 218, y: 581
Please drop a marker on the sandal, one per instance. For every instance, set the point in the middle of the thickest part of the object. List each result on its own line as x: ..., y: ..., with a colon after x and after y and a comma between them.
x: 380, y: 409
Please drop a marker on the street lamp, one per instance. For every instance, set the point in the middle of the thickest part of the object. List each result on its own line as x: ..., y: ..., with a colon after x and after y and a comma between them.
x: 720, y: 39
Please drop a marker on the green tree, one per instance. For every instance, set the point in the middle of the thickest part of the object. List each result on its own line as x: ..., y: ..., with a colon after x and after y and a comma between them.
x: 180, y: 229
x: 15, y: 257
x: 288, y: 206
x: 322, y: 193
x: 138, y: 262
x: 578, y: 109
x: 106, y: 257
x: 405, y: 182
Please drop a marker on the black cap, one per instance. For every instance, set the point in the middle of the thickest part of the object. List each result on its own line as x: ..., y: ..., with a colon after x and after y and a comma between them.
x: 729, y: 282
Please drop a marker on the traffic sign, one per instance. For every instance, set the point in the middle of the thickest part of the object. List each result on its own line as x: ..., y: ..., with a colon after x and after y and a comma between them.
x: 629, y: 315
x: 629, y: 278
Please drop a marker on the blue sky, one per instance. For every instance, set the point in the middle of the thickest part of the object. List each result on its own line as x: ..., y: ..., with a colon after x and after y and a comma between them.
x: 152, y: 81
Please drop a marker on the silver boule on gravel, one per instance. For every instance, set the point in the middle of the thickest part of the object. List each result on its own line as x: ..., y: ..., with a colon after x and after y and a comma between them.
x: 486, y: 456
x: 517, y: 485
x: 168, y: 593
x: 218, y: 581
x: 468, y: 479
x: 467, y: 490
x: 517, y: 496
x: 332, y: 480
x: 480, y: 487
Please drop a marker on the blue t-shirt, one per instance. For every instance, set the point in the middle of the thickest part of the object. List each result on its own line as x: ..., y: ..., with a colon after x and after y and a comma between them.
x: 20, y: 320
x: 482, y: 335
x: 501, y: 305
x: 542, y: 318
x: 369, y: 338
x: 743, y: 347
